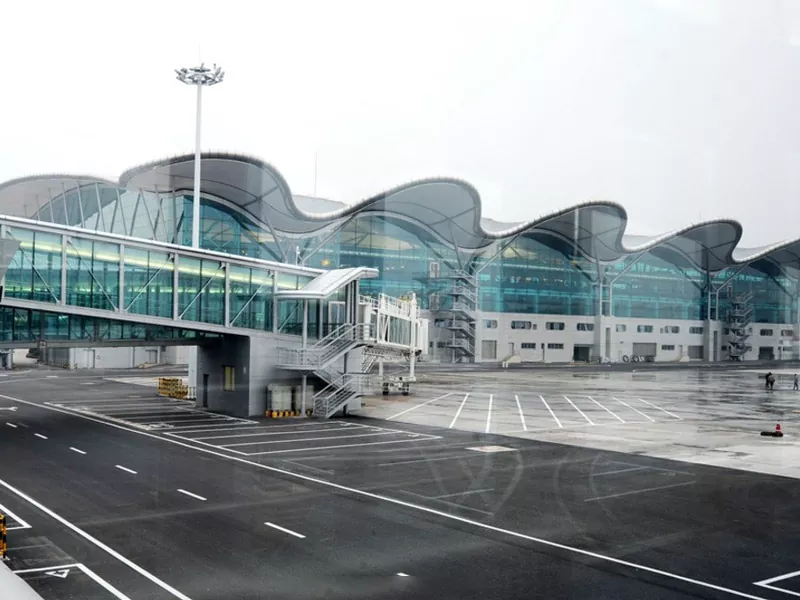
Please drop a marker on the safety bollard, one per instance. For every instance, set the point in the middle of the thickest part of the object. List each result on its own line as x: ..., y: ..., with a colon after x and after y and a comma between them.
x: 3, y: 530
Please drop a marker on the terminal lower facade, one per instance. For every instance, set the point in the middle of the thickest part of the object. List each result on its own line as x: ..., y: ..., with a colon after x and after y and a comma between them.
x: 571, y: 286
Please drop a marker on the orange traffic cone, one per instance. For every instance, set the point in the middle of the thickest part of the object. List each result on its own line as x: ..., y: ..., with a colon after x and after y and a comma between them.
x: 778, y: 432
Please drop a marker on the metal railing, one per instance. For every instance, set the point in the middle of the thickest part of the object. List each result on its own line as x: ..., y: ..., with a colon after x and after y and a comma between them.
x: 332, y: 346
x: 332, y: 397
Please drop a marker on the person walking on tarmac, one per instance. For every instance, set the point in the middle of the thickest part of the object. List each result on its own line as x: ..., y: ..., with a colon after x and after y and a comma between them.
x: 771, y: 382
x: 796, y: 384
x: 767, y: 377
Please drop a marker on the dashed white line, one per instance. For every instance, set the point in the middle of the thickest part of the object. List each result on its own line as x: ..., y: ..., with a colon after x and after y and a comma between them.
x: 39, y: 435
x: 11, y: 425
x: 366, y: 494
x: 401, y: 574
x: 579, y: 410
x: 126, y: 469
x: 284, y: 530
x: 408, y: 410
x: 552, y: 414
x: 96, y: 542
x: 489, y: 414
x: 616, y: 416
x: 521, y: 417
x: 458, y: 412
x: 192, y: 495
x: 79, y: 451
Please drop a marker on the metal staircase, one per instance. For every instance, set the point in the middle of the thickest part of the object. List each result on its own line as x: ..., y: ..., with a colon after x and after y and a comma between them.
x: 738, y: 319
x: 320, y: 359
x: 461, y: 319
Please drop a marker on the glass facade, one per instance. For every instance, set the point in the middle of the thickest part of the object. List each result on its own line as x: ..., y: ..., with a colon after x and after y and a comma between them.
x: 535, y: 272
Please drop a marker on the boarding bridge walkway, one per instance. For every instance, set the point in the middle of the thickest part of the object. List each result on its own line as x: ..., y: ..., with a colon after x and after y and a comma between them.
x: 70, y: 285
x: 386, y: 329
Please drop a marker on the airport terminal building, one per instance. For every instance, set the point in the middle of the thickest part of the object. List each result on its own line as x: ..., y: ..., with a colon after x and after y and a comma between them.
x: 568, y: 286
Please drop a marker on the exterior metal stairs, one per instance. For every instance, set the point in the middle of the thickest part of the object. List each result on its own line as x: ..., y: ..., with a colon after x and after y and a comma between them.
x: 739, y: 317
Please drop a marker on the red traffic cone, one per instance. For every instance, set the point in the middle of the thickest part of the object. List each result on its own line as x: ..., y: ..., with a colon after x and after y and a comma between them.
x: 778, y: 432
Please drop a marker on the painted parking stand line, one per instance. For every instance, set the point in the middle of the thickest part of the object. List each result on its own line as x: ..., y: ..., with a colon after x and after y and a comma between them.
x: 63, y: 572
x: 521, y: 416
x: 11, y: 425
x: 661, y: 409
x: 460, y: 408
x: 579, y: 410
x: 767, y: 583
x: 489, y: 414
x: 126, y: 469
x: 107, y: 549
x: 617, y: 471
x: 464, y: 493
x: 408, y: 410
x: 552, y: 414
x: 78, y: 450
x: 267, y: 432
x: 313, y: 439
x: 389, y: 500
x: 21, y: 524
x: 312, y: 448
x: 631, y: 492
x: 192, y: 495
x: 284, y: 530
x: 613, y: 414
x: 645, y: 415
x: 39, y: 435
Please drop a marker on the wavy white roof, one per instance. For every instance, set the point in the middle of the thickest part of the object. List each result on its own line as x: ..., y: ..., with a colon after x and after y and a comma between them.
x: 449, y: 208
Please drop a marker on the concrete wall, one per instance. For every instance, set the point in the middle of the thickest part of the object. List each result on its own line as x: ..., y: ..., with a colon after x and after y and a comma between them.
x: 115, y: 358
x: 623, y: 333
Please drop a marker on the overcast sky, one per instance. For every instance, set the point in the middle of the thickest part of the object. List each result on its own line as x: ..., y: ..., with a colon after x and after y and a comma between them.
x: 680, y: 110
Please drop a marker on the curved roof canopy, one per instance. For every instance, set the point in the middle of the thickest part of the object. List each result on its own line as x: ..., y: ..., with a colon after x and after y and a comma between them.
x: 448, y: 208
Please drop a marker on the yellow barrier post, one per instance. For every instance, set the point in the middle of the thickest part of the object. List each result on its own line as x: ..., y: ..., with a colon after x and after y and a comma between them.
x: 3, y: 530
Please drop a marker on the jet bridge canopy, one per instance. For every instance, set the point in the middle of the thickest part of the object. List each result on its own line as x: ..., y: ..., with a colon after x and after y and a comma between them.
x: 328, y: 283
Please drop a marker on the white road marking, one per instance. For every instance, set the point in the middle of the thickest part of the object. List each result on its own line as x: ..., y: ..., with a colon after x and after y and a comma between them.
x: 192, y: 495
x: 39, y: 435
x: 331, y: 447
x: 373, y: 496
x: 521, y: 417
x: 628, y: 470
x: 332, y: 438
x: 421, y: 460
x: 408, y: 410
x: 401, y: 574
x: 240, y: 435
x: 458, y: 412
x: 464, y: 493
x: 22, y: 523
x: 9, y: 408
x: 579, y: 410
x: 767, y: 583
x: 63, y: 571
x: 11, y: 425
x: 51, y: 377
x: 284, y: 530
x: 661, y: 409
x: 645, y: 415
x: 489, y: 414
x: 619, y: 462
x: 77, y: 450
x: 617, y: 417
x: 87, y: 382
x: 126, y: 469
x: 652, y: 489
x: 447, y: 502
x: 552, y: 414
x: 292, y: 462
x: 94, y: 540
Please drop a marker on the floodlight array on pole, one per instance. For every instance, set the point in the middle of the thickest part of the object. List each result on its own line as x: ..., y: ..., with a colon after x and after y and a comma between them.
x: 198, y: 76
